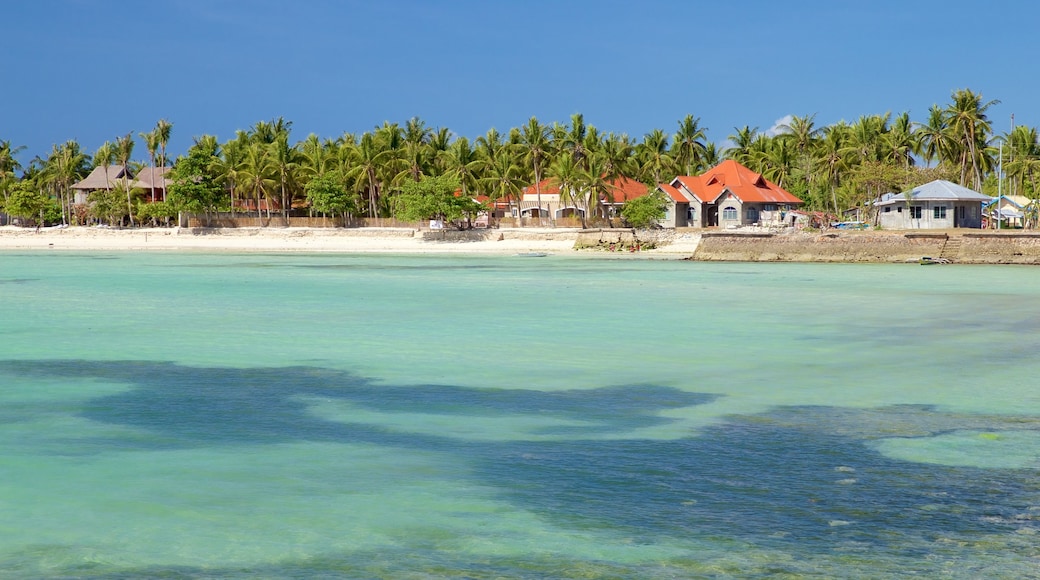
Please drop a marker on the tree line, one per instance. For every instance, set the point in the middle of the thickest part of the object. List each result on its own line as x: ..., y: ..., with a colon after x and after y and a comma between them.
x: 832, y: 168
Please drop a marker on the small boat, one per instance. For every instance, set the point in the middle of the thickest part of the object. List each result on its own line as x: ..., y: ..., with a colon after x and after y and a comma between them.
x: 928, y: 261
x: 533, y: 254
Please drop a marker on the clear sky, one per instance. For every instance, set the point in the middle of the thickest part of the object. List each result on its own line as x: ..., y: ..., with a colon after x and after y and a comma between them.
x: 93, y: 70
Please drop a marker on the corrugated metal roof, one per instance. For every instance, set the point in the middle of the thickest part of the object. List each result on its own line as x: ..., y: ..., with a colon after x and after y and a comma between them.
x: 938, y: 190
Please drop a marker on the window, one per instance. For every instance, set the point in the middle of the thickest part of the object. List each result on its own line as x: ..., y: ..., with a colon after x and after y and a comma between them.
x: 729, y: 213
x: 769, y: 207
x: 939, y: 212
x: 899, y: 209
x: 915, y: 212
x: 888, y: 208
x: 752, y: 215
x: 961, y: 211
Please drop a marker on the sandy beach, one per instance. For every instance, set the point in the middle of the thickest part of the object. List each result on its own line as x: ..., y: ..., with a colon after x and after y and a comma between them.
x: 353, y: 240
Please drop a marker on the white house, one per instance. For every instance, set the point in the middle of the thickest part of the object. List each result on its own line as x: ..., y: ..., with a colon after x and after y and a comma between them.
x: 939, y: 204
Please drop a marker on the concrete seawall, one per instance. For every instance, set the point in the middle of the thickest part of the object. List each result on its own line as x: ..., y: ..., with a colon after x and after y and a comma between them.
x: 891, y: 247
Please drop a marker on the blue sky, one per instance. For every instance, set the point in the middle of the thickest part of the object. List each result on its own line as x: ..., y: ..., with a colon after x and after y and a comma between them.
x: 93, y: 70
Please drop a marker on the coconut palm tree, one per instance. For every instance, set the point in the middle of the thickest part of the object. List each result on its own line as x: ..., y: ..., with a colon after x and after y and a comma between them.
x: 565, y: 173
x: 934, y: 138
x: 8, y: 165
x: 536, y: 147
x: 834, y: 157
x: 368, y: 160
x: 490, y: 145
x: 655, y: 159
x: 66, y: 165
x: 594, y: 187
x: 504, y: 179
x: 151, y: 142
x: 743, y: 141
x: 163, y: 129
x: 1023, y: 158
x: 711, y: 157
x: 618, y: 155
x: 573, y: 138
x: 229, y: 164
x: 259, y: 174
x: 286, y: 163
x: 688, y: 144
x: 970, y: 127
x: 124, y: 148
x: 462, y: 160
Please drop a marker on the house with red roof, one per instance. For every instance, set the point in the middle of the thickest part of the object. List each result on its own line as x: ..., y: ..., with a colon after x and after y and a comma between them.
x: 728, y: 195
x: 544, y: 199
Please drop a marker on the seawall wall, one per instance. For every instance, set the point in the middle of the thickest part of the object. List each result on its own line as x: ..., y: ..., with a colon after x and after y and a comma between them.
x: 893, y: 247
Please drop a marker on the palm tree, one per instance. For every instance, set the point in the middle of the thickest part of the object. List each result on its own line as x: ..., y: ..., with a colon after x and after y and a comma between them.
x: 966, y: 117
x: 655, y: 160
x: 66, y: 165
x: 490, y: 145
x: 124, y: 151
x: 902, y: 142
x: 573, y: 138
x: 534, y: 141
x: 8, y: 164
x: 259, y: 174
x: 229, y: 165
x: 1023, y: 158
x: 463, y: 160
x: 369, y: 156
x: 617, y: 153
x: 416, y: 132
x: 688, y: 144
x: 504, y: 179
x: 804, y: 135
x: 934, y: 136
x: 163, y: 128
x: 286, y: 164
x: 151, y: 142
x: 776, y: 160
x: 594, y: 187
x: 711, y: 156
x: 833, y: 157
x: 565, y: 173
x: 743, y: 141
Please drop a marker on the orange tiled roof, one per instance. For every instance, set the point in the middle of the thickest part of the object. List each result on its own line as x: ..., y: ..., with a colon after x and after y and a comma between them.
x: 672, y: 192
x: 746, y: 185
x: 546, y: 185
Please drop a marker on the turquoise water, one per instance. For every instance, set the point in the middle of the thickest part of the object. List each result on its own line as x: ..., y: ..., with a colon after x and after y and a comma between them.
x: 208, y: 415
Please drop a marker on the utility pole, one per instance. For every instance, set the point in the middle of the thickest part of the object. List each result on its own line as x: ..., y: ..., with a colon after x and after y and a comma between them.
x: 1000, y: 180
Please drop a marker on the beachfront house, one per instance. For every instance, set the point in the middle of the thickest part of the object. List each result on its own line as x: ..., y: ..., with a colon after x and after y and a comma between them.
x: 153, y: 181
x: 1010, y: 210
x: 677, y: 212
x: 149, y: 180
x: 545, y: 199
x: 101, y: 178
x: 938, y: 204
x: 730, y: 195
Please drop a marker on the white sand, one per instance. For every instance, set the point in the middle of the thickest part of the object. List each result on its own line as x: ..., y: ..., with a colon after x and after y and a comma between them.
x: 352, y: 240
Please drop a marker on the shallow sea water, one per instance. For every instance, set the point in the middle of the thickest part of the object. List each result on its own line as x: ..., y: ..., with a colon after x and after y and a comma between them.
x: 373, y: 416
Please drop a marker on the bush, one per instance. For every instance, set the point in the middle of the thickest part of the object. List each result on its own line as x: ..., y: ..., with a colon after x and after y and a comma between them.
x: 646, y: 211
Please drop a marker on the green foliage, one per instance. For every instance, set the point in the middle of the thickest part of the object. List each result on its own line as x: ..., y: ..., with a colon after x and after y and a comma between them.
x: 645, y: 211
x: 157, y: 212
x: 193, y: 186
x: 435, y: 198
x: 25, y: 201
x: 327, y: 195
x: 108, y: 205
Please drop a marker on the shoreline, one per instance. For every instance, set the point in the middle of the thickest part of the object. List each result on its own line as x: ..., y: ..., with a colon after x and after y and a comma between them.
x: 959, y: 247
x: 307, y: 240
